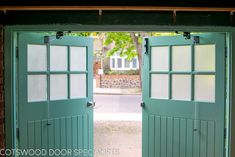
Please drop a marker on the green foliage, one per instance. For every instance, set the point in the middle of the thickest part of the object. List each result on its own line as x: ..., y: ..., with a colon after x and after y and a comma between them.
x: 84, y: 34
x: 106, y: 66
x: 124, y: 44
x: 78, y: 34
x: 122, y: 72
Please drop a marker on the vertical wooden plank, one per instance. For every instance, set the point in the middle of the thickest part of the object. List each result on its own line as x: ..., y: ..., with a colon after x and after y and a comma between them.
x: 69, y: 135
x: 196, y: 139
x: 85, y: 132
x: 189, y: 138
x: 31, y: 135
x: 50, y: 132
x: 63, y: 141
x: 57, y: 133
x: 88, y: 134
x: 91, y: 134
x: 169, y: 137
x: 183, y: 134
x: 211, y: 139
x: 74, y: 133
x: 203, y: 139
x: 38, y: 134
x: 157, y: 137
x: 145, y: 139
x: 80, y: 133
x: 151, y: 135
x: 176, y: 138
x: 44, y: 134
x: 163, y: 129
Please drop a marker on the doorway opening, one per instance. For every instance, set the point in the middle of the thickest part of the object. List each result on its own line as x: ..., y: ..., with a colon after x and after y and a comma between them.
x: 118, y: 112
x: 117, y: 94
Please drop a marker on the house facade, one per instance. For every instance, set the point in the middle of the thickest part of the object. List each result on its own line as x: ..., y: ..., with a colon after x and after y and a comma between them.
x: 122, y: 63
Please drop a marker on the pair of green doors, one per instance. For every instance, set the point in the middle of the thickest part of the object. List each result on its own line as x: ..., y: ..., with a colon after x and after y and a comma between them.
x: 183, y: 93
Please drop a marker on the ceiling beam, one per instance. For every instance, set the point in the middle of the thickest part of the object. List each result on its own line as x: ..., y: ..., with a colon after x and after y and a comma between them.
x: 115, y: 8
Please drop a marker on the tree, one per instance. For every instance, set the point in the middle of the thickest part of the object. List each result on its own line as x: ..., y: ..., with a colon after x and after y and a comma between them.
x: 128, y: 44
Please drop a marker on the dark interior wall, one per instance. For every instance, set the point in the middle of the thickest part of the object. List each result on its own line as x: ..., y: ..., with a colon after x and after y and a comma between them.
x: 118, y: 18
x: 2, y: 132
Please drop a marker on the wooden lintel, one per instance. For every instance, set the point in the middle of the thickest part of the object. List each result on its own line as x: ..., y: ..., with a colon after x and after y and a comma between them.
x: 115, y: 8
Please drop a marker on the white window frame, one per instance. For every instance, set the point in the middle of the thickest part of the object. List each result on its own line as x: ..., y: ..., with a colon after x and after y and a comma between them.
x: 116, y: 57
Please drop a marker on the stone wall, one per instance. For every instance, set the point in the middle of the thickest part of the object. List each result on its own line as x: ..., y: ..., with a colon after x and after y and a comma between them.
x: 2, y: 133
x: 118, y: 81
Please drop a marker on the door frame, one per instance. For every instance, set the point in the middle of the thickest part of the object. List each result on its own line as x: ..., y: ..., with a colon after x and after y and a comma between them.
x: 10, y: 73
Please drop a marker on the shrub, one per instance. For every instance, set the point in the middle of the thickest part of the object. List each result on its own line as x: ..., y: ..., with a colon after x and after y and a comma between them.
x: 122, y: 72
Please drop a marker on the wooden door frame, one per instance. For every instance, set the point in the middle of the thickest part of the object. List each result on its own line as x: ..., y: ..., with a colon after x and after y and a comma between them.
x: 10, y: 74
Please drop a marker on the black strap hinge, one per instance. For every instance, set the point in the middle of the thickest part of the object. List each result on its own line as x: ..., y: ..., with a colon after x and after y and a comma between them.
x: 146, y: 45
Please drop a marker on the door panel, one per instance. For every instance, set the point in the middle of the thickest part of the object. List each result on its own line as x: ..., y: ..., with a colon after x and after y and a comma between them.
x: 184, y: 96
x: 55, y: 84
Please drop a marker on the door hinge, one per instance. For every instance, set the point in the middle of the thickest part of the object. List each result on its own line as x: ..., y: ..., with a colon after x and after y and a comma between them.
x: 17, y: 52
x: 146, y: 45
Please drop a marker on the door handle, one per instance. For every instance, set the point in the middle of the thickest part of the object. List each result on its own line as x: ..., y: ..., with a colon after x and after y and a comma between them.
x: 142, y: 104
x: 90, y: 104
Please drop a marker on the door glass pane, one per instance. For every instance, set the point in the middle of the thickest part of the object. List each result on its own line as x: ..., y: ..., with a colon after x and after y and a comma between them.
x: 37, y: 57
x: 77, y: 85
x: 78, y: 58
x: 37, y: 88
x: 205, y: 88
x: 160, y: 58
x: 181, y: 87
x: 58, y: 87
x: 181, y: 58
x: 205, y: 57
x: 159, y: 86
x: 58, y: 58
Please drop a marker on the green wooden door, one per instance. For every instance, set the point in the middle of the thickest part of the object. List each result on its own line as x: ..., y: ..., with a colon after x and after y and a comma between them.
x: 55, y: 88
x: 184, y: 96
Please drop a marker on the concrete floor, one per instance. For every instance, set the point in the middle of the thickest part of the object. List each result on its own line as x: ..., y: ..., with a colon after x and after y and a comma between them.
x: 117, y: 103
x: 117, y: 126
x: 121, y: 138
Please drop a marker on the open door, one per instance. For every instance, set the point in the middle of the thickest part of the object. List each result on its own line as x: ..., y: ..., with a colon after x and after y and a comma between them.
x: 184, y: 96
x: 55, y: 94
